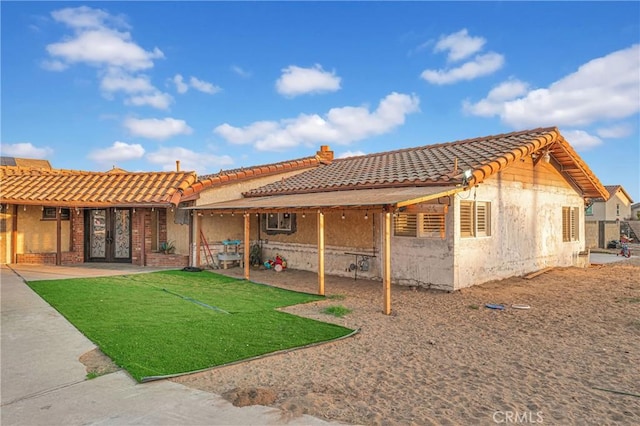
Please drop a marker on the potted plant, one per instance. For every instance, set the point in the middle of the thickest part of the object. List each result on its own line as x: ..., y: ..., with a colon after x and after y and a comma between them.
x: 167, y: 247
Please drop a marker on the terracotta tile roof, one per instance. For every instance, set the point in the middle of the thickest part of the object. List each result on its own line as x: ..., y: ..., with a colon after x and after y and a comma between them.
x: 235, y: 175
x: 74, y: 188
x: 434, y: 165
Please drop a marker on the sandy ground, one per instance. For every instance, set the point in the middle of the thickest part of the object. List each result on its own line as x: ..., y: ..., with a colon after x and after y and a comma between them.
x: 444, y: 358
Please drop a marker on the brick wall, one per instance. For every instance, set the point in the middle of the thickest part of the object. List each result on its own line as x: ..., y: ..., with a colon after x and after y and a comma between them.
x: 168, y: 260
x: 38, y: 258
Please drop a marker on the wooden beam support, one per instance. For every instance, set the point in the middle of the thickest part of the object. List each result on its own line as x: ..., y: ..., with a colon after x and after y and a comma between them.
x: 59, y: 236
x: 320, y: 253
x: 247, y: 244
x: 14, y: 235
x: 197, y: 232
x: 386, y: 282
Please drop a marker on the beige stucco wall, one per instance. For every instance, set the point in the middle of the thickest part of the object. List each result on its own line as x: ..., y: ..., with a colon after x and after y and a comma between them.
x: 233, y: 191
x: 607, y: 210
x: 39, y: 236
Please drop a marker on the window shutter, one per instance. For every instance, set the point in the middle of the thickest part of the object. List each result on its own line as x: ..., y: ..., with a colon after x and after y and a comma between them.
x: 466, y: 219
x: 566, y: 224
x: 433, y: 225
x: 483, y: 219
x: 405, y: 225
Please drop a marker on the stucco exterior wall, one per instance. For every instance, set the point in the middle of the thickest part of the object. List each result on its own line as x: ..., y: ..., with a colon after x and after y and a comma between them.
x: 39, y: 236
x: 353, y: 234
x: 526, y: 224
x: 233, y: 191
x: 608, y: 210
x: 424, y: 262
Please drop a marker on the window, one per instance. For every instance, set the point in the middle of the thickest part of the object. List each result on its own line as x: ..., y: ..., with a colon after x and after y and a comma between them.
x: 424, y: 225
x: 279, y: 223
x: 589, y: 211
x: 569, y: 224
x: 49, y: 213
x: 475, y: 219
x: 617, y: 209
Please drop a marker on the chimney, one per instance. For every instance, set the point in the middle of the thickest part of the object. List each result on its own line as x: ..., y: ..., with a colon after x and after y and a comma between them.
x: 325, y: 155
x: 177, y: 165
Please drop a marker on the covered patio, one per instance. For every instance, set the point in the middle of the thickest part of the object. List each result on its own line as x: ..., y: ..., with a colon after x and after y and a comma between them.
x: 384, y: 202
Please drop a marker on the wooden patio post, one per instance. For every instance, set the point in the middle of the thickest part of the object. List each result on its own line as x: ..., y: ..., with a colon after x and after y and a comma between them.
x: 197, y: 237
x: 320, y: 253
x: 58, y: 236
x: 14, y: 235
x: 387, y: 264
x: 247, y: 245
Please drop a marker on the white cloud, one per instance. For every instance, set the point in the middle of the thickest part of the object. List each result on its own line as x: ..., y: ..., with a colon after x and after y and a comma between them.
x: 53, y: 65
x: 200, y: 162
x: 203, y: 86
x: 481, y: 65
x: 84, y: 17
x: 97, y: 41
x: 25, y: 150
x: 117, y: 80
x: 618, y: 131
x: 459, y: 45
x: 119, y: 151
x: 104, y: 47
x: 348, y: 154
x: 241, y: 72
x: 153, y: 128
x: 605, y: 88
x: 581, y: 140
x: 339, y: 125
x: 181, y: 86
x: 492, y: 104
x: 247, y: 134
x: 296, y: 81
x: 157, y: 100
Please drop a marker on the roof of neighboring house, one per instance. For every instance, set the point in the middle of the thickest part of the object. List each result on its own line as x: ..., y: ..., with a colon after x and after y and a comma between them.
x: 611, y: 190
x: 441, y: 164
x: 74, y: 188
x: 25, y: 162
x: 235, y: 175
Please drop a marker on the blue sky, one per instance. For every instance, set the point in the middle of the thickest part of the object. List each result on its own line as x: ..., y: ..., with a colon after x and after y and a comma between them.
x: 221, y: 85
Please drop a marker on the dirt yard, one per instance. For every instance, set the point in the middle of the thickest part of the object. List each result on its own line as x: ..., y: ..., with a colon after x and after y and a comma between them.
x: 444, y: 358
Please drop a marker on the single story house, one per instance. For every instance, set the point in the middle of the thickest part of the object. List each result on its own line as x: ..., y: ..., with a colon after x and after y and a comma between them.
x: 443, y: 216
x: 604, y: 216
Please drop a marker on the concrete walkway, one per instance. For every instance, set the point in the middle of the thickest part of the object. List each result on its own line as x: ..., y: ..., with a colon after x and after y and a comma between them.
x: 43, y: 382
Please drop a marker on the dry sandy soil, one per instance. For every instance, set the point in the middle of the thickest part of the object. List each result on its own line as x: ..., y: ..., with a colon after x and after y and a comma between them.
x: 444, y: 358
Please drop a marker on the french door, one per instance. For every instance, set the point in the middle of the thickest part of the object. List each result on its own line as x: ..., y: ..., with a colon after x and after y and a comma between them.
x: 108, y: 235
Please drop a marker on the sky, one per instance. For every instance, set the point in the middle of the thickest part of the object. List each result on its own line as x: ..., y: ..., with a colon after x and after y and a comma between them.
x: 221, y: 85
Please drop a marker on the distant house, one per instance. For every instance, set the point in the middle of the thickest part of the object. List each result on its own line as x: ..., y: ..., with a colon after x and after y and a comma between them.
x: 635, y: 211
x: 61, y: 217
x: 604, y: 215
x: 444, y: 216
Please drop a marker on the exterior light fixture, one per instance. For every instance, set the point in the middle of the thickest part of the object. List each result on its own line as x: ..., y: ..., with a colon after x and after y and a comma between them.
x: 366, y: 215
x: 342, y: 215
x: 546, y: 157
x: 304, y: 215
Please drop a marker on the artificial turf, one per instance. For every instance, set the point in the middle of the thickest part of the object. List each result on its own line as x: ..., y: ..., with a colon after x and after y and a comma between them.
x: 173, y: 322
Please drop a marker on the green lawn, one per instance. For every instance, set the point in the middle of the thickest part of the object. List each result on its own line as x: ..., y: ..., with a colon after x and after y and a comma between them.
x: 174, y: 322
